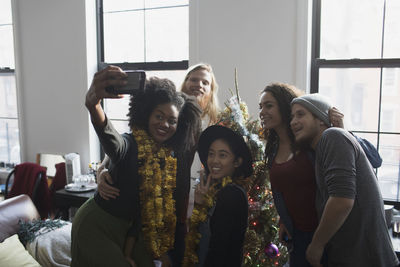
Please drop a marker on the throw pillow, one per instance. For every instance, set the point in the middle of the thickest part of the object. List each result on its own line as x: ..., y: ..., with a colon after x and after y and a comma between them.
x: 13, y: 254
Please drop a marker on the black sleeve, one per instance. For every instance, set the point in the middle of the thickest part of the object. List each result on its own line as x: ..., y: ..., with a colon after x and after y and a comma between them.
x: 181, y: 196
x: 228, y: 226
x: 114, y: 145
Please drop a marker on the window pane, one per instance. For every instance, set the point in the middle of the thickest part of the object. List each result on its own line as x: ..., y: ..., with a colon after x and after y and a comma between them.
x: 121, y: 5
x: 163, y: 43
x: 351, y: 29
x: 124, y: 37
x: 176, y: 76
x: 388, y: 173
x: 8, y: 96
x: 372, y: 138
x: 117, y: 108
x: 391, y: 48
x: 121, y: 126
x: 355, y: 92
x: 9, y: 141
x: 163, y: 3
x: 6, y: 46
x: 5, y: 12
x: 390, y: 110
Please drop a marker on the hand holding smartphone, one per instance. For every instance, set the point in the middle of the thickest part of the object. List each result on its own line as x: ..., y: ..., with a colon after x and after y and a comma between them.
x: 135, y: 82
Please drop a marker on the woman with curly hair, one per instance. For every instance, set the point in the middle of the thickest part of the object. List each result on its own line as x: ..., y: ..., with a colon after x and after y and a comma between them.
x: 199, y: 82
x: 143, y: 168
x: 291, y: 170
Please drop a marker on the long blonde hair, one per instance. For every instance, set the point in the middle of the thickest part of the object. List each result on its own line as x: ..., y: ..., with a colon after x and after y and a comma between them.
x: 212, y: 107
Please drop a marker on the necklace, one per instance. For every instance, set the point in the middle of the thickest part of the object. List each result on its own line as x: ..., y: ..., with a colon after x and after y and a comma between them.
x: 158, y: 173
x: 199, y: 216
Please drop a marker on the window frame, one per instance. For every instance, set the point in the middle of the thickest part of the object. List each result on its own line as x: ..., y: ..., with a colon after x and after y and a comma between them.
x: 146, y: 66
x: 11, y: 72
x: 8, y: 70
x: 318, y: 63
x: 9, y: 163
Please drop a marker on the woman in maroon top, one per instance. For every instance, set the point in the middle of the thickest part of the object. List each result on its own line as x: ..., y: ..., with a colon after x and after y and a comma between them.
x: 291, y: 170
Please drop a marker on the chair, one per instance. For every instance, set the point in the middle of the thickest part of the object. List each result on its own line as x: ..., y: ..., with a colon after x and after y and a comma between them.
x: 60, y: 178
x: 30, y: 179
x: 59, y: 182
x: 49, y: 161
x: 10, y: 181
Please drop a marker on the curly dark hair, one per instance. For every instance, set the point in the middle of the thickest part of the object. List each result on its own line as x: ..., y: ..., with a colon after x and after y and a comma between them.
x: 283, y: 94
x: 161, y: 91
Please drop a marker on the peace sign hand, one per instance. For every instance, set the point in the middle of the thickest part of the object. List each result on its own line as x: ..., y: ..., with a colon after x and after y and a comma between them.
x: 202, y: 188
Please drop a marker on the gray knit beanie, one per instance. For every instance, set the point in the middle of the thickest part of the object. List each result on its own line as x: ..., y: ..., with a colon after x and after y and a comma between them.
x: 317, y: 104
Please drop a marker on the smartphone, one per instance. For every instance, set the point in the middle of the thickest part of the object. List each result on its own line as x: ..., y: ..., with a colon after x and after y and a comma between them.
x: 135, y: 82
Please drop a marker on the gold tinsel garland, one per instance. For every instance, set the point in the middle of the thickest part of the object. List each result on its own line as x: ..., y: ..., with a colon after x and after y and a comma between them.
x: 156, y: 193
x: 199, y: 215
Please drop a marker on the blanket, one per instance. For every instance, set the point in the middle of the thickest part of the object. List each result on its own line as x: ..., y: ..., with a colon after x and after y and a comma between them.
x: 52, y: 248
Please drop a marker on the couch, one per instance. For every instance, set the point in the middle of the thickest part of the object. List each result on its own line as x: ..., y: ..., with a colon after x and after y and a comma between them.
x: 12, y: 210
x: 50, y: 247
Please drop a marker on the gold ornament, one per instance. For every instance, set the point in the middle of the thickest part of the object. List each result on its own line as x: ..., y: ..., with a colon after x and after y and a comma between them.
x: 156, y: 193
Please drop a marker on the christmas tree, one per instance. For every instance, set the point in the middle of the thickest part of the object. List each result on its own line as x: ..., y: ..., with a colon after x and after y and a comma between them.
x: 261, y: 246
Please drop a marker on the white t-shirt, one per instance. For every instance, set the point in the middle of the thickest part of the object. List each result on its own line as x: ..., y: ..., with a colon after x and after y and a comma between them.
x: 195, y: 169
x: 196, y: 165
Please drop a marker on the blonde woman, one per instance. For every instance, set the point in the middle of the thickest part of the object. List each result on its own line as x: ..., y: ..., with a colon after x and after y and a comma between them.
x: 200, y: 82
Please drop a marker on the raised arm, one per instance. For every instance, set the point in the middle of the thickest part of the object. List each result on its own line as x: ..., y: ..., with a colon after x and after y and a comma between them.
x: 113, y: 143
x: 110, y: 76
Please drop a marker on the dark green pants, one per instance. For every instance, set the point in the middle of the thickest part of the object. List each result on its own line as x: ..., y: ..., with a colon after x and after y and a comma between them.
x: 98, y: 239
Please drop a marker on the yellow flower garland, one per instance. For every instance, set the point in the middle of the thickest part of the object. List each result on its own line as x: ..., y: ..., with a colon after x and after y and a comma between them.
x: 156, y: 194
x: 199, y: 215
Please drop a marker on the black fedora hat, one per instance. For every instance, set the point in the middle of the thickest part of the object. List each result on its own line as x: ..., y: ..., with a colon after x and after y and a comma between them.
x: 235, y: 141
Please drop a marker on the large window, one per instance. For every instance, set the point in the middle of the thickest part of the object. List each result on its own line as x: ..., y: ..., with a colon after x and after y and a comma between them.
x: 356, y: 62
x: 150, y: 35
x: 9, y: 131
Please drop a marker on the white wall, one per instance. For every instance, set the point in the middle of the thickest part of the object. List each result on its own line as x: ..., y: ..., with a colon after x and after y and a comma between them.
x: 56, y: 58
x: 52, y: 76
x: 265, y: 40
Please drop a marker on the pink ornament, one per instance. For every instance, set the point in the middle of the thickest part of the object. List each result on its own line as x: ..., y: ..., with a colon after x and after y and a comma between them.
x: 271, y: 250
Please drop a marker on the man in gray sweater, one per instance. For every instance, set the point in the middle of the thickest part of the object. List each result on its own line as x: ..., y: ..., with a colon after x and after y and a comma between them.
x: 352, y: 229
